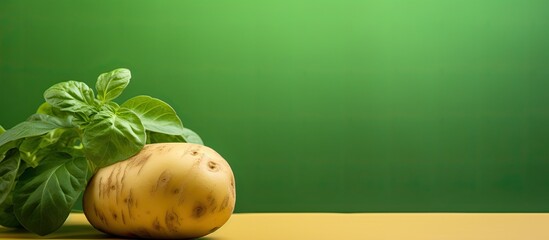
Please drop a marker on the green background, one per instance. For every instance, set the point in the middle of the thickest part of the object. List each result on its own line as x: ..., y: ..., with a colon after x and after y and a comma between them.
x: 344, y: 106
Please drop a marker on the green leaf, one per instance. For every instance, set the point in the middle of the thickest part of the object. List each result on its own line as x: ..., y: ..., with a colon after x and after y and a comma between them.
x: 29, y: 148
x: 69, y: 142
x: 188, y: 136
x: 48, y: 109
x: 71, y: 96
x: 6, y: 147
x: 155, y: 115
x: 45, y: 108
x: 7, y: 216
x: 113, y: 136
x: 44, y: 196
x: 110, y: 106
x: 55, y: 120
x: 34, y: 149
x: 8, y: 173
x: 2, y: 130
x: 111, y: 84
x: 66, y: 140
x: 191, y: 137
x: 36, y: 125
x: 155, y: 137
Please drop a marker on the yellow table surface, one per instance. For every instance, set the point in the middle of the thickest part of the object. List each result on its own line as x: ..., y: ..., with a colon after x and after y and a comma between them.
x: 371, y: 226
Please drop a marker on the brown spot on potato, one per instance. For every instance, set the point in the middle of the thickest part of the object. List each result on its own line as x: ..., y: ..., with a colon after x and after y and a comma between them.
x: 129, y: 201
x: 214, y: 229
x: 198, y: 161
x: 114, y: 216
x: 162, y: 181
x: 161, y: 148
x: 233, y: 190
x: 101, y: 216
x: 118, y: 171
x: 110, y: 185
x: 116, y: 186
x: 100, y: 186
x: 143, y: 232
x: 139, y: 160
x: 172, y: 221
x: 195, y: 151
x: 199, y: 210
x: 225, y: 203
x: 143, y: 161
x: 164, y: 177
x: 124, y: 173
x: 123, y: 218
x: 212, y: 203
x: 95, y: 210
x: 176, y: 191
x: 211, y: 199
x: 213, y: 166
x: 156, y: 225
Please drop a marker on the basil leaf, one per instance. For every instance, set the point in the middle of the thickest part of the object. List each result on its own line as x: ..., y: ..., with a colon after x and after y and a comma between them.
x: 8, y: 173
x: 113, y: 136
x: 6, y: 147
x: 48, y: 109
x: 29, y: 150
x: 7, y: 216
x: 69, y: 142
x: 155, y: 115
x: 36, y: 125
x: 66, y: 140
x: 110, y: 106
x: 191, y: 137
x: 111, y: 84
x: 155, y: 137
x: 44, y: 196
x: 45, y: 108
x: 55, y: 120
x: 34, y: 149
x: 188, y: 136
x: 71, y: 96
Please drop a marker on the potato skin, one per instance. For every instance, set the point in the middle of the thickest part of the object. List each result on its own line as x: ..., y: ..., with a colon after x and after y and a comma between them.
x: 167, y: 190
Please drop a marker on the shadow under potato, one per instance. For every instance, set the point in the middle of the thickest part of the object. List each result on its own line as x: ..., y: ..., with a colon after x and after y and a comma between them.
x: 72, y: 231
x: 65, y: 232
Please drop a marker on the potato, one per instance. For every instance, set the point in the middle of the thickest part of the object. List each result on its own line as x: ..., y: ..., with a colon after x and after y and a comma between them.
x: 168, y: 190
